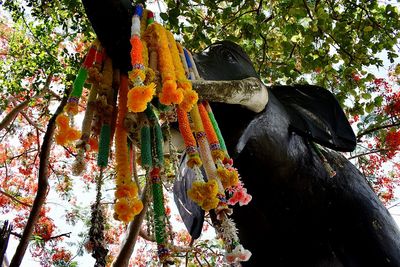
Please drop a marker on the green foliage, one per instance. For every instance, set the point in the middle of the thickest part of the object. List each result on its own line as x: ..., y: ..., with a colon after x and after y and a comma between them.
x: 38, y: 41
x: 328, y: 43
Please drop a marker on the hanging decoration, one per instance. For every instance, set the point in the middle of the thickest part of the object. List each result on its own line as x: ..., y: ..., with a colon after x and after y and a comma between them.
x: 130, y: 108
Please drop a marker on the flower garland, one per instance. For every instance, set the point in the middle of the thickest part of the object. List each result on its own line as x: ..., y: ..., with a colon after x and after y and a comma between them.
x: 156, y: 36
x: 190, y: 97
x: 154, y: 54
x: 140, y: 94
x: 127, y: 205
x: 65, y: 134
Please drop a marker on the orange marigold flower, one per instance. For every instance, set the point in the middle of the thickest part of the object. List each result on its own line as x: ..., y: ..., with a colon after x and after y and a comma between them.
x: 127, y: 217
x: 126, y: 190
x: 61, y: 139
x: 122, y: 206
x: 62, y: 121
x: 139, y: 96
x: 137, y: 206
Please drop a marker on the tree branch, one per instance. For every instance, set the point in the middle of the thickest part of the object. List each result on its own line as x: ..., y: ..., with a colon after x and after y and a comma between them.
x: 15, y: 199
x: 18, y: 108
x: 367, y: 153
x: 50, y: 238
x: 145, y: 236
x: 126, y: 249
x: 43, y: 185
x: 13, y: 114
x: 377, y: 129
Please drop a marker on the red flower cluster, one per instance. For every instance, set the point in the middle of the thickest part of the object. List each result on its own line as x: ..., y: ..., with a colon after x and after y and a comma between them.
x: 393, y: 106
x: 392, y: 142
x: 61, y: 255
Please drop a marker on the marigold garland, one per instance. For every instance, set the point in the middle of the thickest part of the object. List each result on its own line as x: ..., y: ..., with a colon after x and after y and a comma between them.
x: 140, y: 94
x: 65, y: 134
x: 212, y: 138
x: 127, y: 205
x: 156, y: 36
x: 190, y: 97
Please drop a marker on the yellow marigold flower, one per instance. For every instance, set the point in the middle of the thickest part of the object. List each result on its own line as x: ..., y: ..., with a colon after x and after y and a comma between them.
x: 218, y: 154
x: 228, y: 178
x: 137, y: 73
x: 122, y: 206
x: 196, y: 192
x: 126, y: 190
x: 128, y: 217
x: 194, y: 160
x: 211, y: 188
x: 210, y: 203
x: 62, y: 120
x: 223, y: 175
x: 137, y: 206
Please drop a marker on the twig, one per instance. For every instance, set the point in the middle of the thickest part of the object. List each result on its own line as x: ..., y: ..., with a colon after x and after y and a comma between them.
x: 15, y: 199
x: 394, y: 205
x: 31, y: 122
x: 263, y: 53
x: 367, y: 153
x: 47, y: 239
x: 10, y: 117
x: 376, y: 129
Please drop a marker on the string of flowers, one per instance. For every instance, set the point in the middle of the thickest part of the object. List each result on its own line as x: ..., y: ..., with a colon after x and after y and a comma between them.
x: 66, y: 134
x: 87, y: 143
x: 140, y: 94
x: 156, y: 36
x: 72, y: 106
x: 190, y: 97
x: 154, y: 53
x: 127, y: 205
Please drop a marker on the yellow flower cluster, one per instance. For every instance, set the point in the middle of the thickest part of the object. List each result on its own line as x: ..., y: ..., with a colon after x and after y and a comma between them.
x: 139, y: 96
x: 228, y: 177
x: 66, y: 134
x: 126, y: 209
x: 156, y: 36
x: 190, y: 97
x: 205, y: 194
x: 127, y: 205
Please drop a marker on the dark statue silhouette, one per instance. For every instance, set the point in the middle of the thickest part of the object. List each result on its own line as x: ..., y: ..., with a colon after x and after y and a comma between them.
x: 299, y: 215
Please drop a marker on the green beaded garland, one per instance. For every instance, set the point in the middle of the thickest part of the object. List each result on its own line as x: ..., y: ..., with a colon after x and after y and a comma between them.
x: 145, y: 146
x: 104, y: 145
x: 79, y: 82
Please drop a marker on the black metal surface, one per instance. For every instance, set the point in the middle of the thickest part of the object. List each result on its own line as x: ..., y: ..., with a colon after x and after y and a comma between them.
x: 316, y: 114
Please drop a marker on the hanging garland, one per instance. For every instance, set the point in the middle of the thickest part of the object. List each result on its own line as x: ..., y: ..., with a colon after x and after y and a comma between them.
x: 158, y: 86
